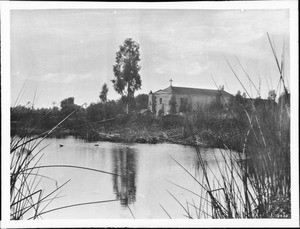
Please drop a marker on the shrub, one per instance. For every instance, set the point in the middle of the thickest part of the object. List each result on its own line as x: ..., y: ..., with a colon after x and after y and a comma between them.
x: 172, y: 120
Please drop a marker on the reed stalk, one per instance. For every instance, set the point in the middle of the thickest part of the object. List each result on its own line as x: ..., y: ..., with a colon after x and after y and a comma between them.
x: 255, y: 181
x: 28, y: 200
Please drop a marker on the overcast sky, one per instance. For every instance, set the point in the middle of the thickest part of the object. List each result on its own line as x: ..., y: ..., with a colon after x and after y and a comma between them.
x: 64, y: 53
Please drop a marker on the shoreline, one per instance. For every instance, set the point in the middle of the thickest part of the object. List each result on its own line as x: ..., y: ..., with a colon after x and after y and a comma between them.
x: 146, y: 137
x: 152, y: 134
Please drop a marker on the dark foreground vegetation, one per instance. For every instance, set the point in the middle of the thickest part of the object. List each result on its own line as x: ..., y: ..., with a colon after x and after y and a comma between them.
x: 254, y: 183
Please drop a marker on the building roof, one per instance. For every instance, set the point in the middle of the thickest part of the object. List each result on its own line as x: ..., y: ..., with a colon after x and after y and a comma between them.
x: 191, y: 91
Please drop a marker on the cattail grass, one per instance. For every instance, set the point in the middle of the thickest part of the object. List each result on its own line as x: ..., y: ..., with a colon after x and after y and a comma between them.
x: 28, y: 200
x: 184, y: 208
x: 251, y: 180
x: 75, y: 205
x: 165, y: 211
x: 130, y: 211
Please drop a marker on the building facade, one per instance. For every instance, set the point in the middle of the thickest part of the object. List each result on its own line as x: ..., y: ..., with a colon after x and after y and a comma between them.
x: 159, y: 101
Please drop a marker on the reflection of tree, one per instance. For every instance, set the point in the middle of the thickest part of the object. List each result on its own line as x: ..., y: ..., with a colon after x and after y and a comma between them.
x: 124, y: 164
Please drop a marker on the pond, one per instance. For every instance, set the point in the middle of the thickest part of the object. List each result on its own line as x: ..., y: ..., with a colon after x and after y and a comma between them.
x: 153, y: 178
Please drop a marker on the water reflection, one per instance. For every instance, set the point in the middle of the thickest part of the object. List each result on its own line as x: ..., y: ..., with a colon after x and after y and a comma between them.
x: 148, y: 171
x: 124, y: 163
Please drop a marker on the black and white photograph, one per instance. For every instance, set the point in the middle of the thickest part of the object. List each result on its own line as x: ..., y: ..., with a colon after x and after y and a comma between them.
x: 179, y: 114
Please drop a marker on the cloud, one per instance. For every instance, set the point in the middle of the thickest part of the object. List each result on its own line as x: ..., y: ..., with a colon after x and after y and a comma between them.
x: 254, y: 23
x: 184, y: 65
x: 71, y: 46
x: 64, y: 78
x: 225, y: 31
x: 244, y: 32
x: 195, y: 68
x: 160, y: 69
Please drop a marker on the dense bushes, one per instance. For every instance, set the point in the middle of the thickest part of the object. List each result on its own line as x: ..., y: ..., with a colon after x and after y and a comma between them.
x: 172, y: 120
x: 28, y: 120
x: 217, y: 125
x: 102, y: 111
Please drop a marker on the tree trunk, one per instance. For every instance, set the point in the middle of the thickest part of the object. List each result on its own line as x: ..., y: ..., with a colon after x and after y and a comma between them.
x: 127, y: 109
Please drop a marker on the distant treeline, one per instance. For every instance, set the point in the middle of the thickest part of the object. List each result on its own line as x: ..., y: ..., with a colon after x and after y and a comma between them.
x: 25, y: 119
x: 212, y: 123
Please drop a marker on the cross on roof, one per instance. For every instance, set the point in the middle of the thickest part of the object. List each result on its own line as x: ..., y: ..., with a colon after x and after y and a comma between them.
x: 171, y: 82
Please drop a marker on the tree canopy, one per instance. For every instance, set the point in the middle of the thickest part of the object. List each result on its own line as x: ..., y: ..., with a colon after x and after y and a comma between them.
x: 141, y: 101
x: 185, y: 105
x: 126, y: 70
x: 272, y: 95
x: 67, y: 103
x: 103, y: 93
x: 173, y: 104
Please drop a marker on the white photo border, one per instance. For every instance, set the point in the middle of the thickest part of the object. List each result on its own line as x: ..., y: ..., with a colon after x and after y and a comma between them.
x: 6, y: 7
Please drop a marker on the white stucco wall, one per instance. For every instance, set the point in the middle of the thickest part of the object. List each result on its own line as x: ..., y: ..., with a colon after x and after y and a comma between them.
x: 165, y: 102
x: 194, y: 99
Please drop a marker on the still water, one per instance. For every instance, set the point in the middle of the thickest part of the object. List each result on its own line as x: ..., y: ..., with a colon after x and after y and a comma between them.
x: 149, y: 175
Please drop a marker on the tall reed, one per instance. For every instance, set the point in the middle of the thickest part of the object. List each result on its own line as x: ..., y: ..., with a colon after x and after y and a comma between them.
x: 255, y: 182
x: 28, y: 200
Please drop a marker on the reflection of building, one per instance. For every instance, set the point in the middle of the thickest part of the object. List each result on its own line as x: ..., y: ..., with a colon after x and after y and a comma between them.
x: 159, y: 100
x: 124, y: 164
